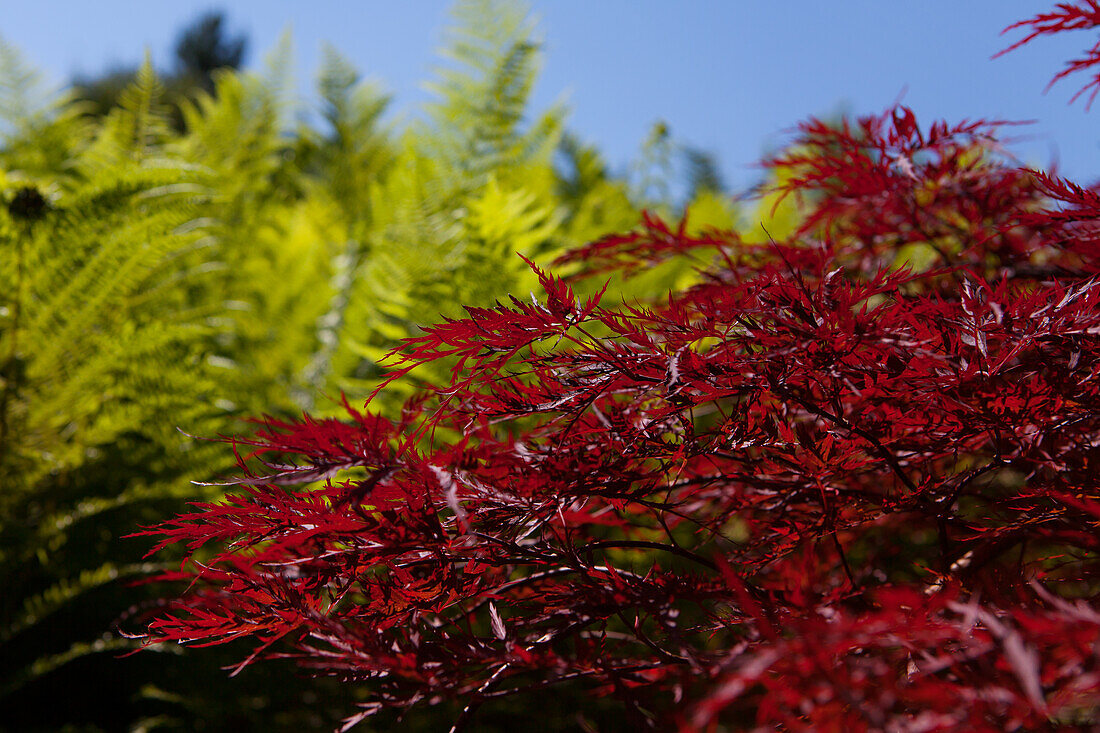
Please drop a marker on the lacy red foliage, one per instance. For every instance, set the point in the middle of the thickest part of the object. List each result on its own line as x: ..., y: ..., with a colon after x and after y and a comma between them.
x: 883, y: 183
x: 818, y: 490
x: 1080, y: 15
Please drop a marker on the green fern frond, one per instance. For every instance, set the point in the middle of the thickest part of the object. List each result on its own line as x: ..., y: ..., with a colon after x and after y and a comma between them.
x: 44, y: 665
x: 137, y: 128
x: 357, y: 149
x: 61, y: 593
x: 22, y: 97
x: 483, y: 94
x: 42, y: 130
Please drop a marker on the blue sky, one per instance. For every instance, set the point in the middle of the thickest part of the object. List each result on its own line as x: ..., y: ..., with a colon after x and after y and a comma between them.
x: 728, y: 76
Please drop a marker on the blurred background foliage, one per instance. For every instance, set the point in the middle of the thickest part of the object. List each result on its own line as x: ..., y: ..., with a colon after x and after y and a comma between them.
x: 180, y: 251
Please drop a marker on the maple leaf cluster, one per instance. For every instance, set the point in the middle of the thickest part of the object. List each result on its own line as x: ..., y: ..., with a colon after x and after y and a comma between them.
x: 846, y: 481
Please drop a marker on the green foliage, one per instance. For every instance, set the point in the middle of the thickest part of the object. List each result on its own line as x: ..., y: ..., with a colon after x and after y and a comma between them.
x: 178, y: 263
x: 482, y: 96
x: 102, y: 352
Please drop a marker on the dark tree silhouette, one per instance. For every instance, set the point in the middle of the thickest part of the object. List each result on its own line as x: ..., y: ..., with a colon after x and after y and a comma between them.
x: 201, y: 49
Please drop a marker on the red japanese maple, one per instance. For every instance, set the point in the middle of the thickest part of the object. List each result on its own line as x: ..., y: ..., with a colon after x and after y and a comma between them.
x: 848, y: 481
x: 1079, y: 15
